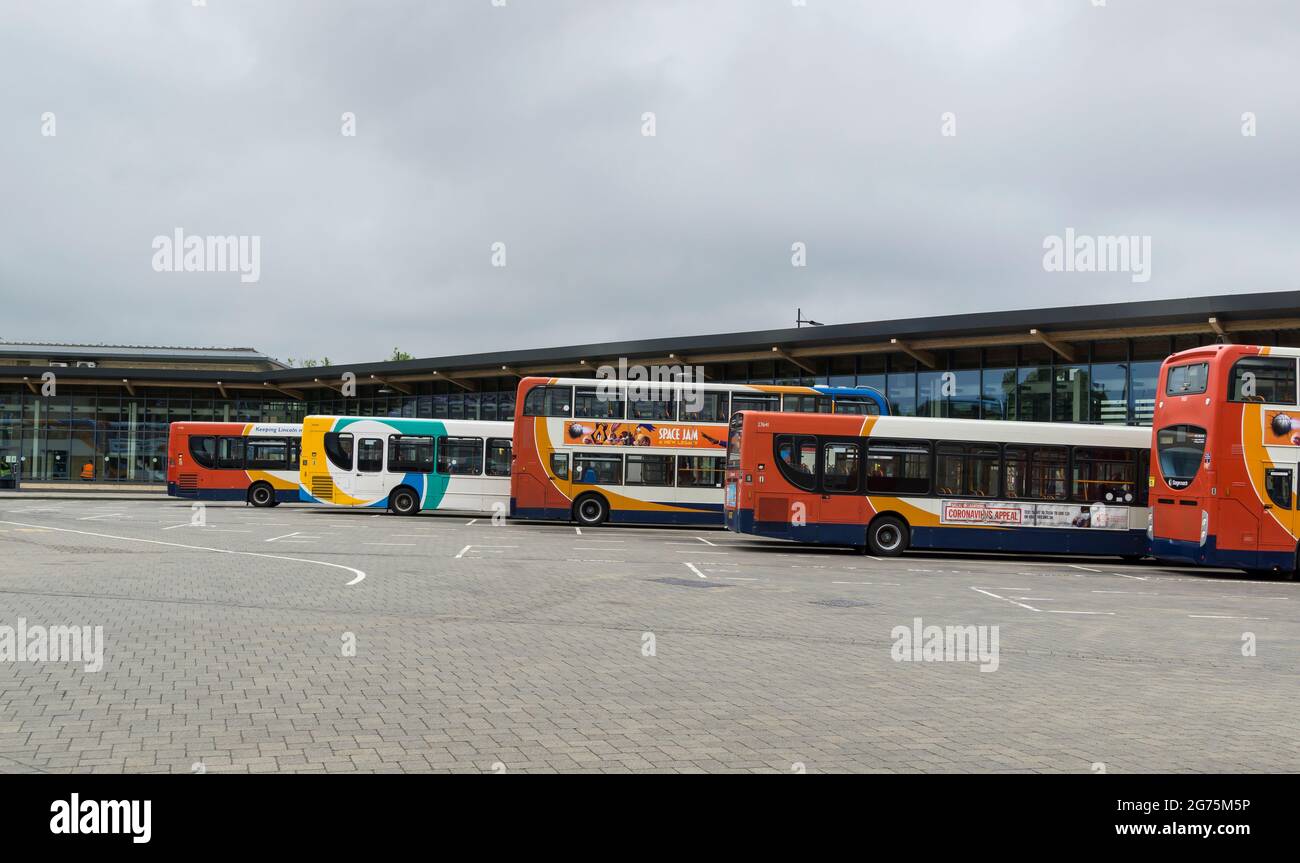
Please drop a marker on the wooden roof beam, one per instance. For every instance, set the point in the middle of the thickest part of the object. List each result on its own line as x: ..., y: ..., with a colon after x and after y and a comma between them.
x: 1063, y: 350
x: 439, y: 376
x: 923, y: 357
x: 812, y: 370
x: 1220, y: 331
x: 388, y: 382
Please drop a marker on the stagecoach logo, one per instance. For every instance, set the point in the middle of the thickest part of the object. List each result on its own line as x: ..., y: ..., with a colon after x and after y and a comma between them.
x: 957, y: 512
x: 208, y: 254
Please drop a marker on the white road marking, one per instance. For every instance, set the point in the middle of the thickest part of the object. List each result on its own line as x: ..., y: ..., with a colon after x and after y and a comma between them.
x: 1122, y: 575
x: 461, y: 553
x: 286, y: 536
x: 1031, y: 608
x: 703, y: 552
x: 174, y: 526
x: 359, y: 574
x: 1224, y: 617
x: 578, y: 529
x: 491, y: 549
x: 1085, y: 568
x: 705, y: 541
x: 693, y: 569
x: 389, y: 543
x: 592, y: 560
x: 870, y: 583
x: 103, y: 515
x: 471, y: 521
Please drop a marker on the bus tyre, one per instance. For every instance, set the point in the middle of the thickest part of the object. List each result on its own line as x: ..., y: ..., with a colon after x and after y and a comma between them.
x: 590, y: 510
x: 261, y: 494
x: 404, y: 501
x: 887, y: 536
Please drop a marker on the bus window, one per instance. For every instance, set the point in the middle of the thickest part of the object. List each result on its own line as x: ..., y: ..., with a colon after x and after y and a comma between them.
x: 863, y: 407
x: 898, y: 467
x: 1016, y: 459
x: 412, y: 453
x: 1187, y: 380
x: 1263, y: 379
x: 560, y: 465
x: 840, y: 468
x: 1277, y: 482
x: 649, y: 469
x: 338, y: 449
x: 599, y: 468
x: 966, y: 469
x: 204, y: 450
x: 1179, y: 449
x: 700, y: 471
x: 658, y: 407
x: 1047, y: 469
x: 796, y: 458
x: 755, y: 402
x: 370, y: 455
x: 548, y: 401
x: 593, y: 403
x: 263, y: 454
x: 230, y: 452
x: 460, y: 456
x: 498, y: 456
x: 1105, y: 476
x: 807, y: 404
x: 698, y: 406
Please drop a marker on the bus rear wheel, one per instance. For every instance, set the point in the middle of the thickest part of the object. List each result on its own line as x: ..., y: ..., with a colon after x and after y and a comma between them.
x: 261, y: 494
x: 404, y: 501
x: 591, y: 510
x: 887, y: 536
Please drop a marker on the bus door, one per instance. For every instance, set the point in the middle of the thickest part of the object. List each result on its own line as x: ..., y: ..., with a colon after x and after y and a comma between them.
x: 368, y: 476
x: 1279, y: 489
x: 783, y: 514
x: 557, y: 493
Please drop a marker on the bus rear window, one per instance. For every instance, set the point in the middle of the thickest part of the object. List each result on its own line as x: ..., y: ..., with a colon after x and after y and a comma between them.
x: 733, y: 442
x: 1187, y: 380
x: 1179, y: 449
x: 204, y: 450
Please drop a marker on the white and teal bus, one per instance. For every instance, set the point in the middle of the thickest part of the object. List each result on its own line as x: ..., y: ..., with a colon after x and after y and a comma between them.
x: 406, y: 465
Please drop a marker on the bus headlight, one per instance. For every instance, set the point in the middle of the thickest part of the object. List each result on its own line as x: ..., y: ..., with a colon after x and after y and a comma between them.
x: 1205, y: 526
x: 1151, y: 525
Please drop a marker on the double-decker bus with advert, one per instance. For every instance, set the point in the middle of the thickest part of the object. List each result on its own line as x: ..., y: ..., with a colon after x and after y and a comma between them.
x: 629, y: 451
x: 889, y: 483
x: 253, y: 462
x: 406, y: 465
x: 1227, y: 445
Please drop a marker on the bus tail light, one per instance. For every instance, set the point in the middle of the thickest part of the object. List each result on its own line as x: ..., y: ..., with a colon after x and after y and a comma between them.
x: 1205, y: 526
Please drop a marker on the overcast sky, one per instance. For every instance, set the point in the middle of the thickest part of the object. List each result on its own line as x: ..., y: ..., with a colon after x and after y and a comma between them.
x: 523, y: 124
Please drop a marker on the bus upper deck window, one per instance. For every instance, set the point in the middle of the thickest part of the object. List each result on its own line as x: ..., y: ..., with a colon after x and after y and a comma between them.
x: 1269, y: 380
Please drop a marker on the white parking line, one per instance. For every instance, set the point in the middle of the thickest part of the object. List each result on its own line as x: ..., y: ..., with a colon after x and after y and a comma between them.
x: 1039, y: 610
x: 1127, y: 592
x: 470, y: 522
x: 286, y: 536
x: 389, y: 543
x: 705, y: 541
x: 103, y: 515
x: 1085, y: 568
x: 1224, y: 617
x: 693, y: 569
x: 703, y: 552
x: 358, y: 573
x: 579, y: 530
x: 491, y: 549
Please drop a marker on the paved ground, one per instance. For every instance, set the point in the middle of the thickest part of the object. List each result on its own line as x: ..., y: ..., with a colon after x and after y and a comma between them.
x: 521, y: 647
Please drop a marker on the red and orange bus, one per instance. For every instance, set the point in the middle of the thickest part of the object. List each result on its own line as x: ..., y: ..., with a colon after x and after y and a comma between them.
x: 253, y: 462
x: 1227, y: 443
x: 593, y: 451
x: 893, y: 483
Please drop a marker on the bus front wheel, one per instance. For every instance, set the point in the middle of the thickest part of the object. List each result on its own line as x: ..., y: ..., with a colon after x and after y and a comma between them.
x: 261, y: 494
x: 403, y: 501
x: 887, y: 536
x: 591, y: 510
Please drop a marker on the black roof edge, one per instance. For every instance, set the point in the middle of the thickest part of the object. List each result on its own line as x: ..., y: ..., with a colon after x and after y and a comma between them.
x: 1126, y: 314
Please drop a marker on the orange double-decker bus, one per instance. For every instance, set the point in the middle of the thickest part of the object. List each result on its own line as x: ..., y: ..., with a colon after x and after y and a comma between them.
x: 253, y: 462
x: 1226, y: 449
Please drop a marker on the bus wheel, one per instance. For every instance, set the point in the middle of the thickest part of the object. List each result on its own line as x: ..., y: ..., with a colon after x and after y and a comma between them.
x: 403, y: 501
x: 591, y: 510
x: 261, y: 494
x: 887, y: 536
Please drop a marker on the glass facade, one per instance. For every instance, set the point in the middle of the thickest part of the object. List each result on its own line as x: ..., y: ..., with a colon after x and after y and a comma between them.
x: 107, y: 435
